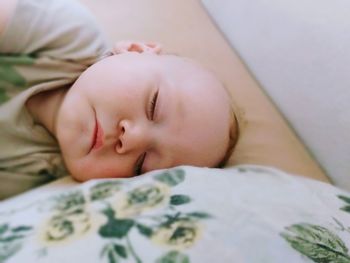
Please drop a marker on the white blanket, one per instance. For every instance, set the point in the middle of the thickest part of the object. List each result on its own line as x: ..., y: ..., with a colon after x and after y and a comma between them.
x: 185, y: 214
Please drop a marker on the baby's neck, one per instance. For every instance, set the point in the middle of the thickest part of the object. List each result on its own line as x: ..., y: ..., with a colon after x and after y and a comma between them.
x: 44, y: 107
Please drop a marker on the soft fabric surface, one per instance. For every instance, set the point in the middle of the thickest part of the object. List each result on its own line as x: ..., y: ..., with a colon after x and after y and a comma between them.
x: 299, y: 52
x: 183, y: 27
x: 185, y: 214
x: 39, y: 51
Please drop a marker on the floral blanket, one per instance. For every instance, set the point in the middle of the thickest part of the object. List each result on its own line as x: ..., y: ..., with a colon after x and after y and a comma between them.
x: 182, y: 215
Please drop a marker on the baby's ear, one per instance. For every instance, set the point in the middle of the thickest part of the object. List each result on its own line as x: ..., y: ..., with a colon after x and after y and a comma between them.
x: 136, y: 46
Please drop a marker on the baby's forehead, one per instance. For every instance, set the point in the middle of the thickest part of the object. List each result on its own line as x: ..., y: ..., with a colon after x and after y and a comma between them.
x: 187, y: 65
x: 167, y: 66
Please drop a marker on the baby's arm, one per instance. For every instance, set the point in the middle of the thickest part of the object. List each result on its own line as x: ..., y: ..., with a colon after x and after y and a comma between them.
x: 62, y: 30
x: 7, y: 8
x: 42, y: 41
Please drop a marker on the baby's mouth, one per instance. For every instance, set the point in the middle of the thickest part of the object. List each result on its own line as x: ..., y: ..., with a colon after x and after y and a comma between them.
x: 97, y: 137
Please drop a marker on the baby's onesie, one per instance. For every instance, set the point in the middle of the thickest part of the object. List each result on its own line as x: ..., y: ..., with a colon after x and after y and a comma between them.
x: 46, y: 45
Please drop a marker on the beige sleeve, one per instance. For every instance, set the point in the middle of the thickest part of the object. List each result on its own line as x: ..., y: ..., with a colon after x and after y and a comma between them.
x: 7, y: 7
x: 61, y: 29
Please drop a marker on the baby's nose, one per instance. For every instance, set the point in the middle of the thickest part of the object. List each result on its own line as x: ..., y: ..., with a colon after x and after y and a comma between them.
x: 120, y: 147
x: 132, y: 137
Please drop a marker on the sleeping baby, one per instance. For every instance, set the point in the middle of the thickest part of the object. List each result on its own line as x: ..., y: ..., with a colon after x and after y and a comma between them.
x: 70, y: 106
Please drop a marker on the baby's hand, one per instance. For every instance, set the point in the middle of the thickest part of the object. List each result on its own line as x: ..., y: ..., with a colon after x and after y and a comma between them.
x: 136, y: 46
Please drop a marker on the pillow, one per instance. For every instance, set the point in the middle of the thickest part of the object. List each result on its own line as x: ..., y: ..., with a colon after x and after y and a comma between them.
x: 178, y: 215
x: 183, y: 27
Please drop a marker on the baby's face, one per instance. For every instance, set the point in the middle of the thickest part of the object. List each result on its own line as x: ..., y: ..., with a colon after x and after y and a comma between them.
x: 132, y: 113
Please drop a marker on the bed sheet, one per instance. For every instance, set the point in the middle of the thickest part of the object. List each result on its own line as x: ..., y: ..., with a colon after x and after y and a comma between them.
x: 185, y: 214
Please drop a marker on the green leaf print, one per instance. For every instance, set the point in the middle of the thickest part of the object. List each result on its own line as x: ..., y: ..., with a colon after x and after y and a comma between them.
x: 199, y: 215
x: 11, y: 240
x: 347, y: 201
x: 317, y: 243
x: 151, y: 208
x: 144, y: 230
x: 10, y: 78
x: 171, y: 177
x: 149, y: 195
x: 170, y: 219
x: 69, y: 201
x: 9, y: 75
x: 111, y: 257
x: 104, y: 190
x: 346, y: 208
x: 179, y: 199
x: 21, y: 228
x: 3, y: 95
x: 3, y: 228
x: 173, y: 257
x: 115, y: 228
x: 60, y: 228
x: 120, y: 250
x: 9, y: 251
x: 69, y: 218
x: 17, y: 59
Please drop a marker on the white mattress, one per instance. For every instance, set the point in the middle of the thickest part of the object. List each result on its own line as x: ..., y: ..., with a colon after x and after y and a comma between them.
x: 300, y: 54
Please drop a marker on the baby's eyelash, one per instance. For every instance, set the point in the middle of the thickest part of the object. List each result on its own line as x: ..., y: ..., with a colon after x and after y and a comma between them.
x: 152, y: 105
x: 139, y: 164
x: 151, y: 109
